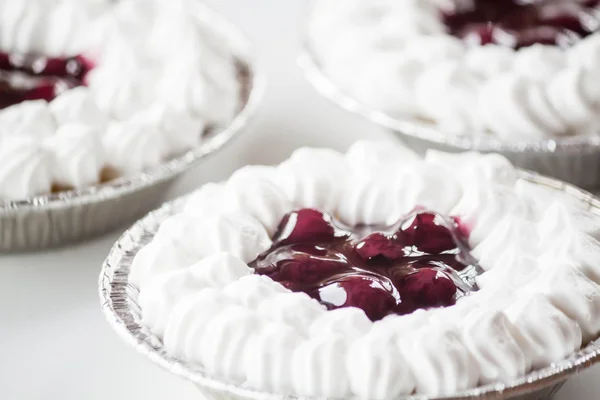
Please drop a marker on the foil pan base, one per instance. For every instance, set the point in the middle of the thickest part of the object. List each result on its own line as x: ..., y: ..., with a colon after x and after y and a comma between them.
x: 120, y: 304
x: 543, y: 394
x: 579, y: 167
x: 50, y: 227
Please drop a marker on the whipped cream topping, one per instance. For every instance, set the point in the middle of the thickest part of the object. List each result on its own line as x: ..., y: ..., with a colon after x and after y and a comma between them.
x: 186, y: 325
x: 120, y: 92
x: 377, y: 369
x: 476, y: 167
x: 392, y: 325
x: 483, y: 206
x: 53, y: 28
x: 548, y: 333
x: 351, y: 322
x: 383, y: 200
x: 310, y: 181
x: 509, y: 229
x: 495, y: 345
x: 238, y: 234
x: 215, y: 271
x: 226, y: 340
x: 317, y: 367
x: 205, y: 200
x: 570, y: 291
x: 387, y: 53
x: 538, y: 297
x: 258, y: 197
x: 26, y: 168
x: 180, y: 130
x: 367, y: 201
x: 77, y: 105
x: 78, y: 155
x: 267, y: 363
x: 33, y: 119
x: 306, y: 310
x: 252, y: 290
x: 380, y: 158
x: 133, y: 145
x: 507, y: 268
x: 145, y: 99
x: 442, y: 364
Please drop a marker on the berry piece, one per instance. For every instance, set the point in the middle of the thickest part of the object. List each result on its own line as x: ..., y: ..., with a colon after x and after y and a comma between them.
x: 306, y: 269
x: 35, y: 89
x: 37, y: 77
x: 36, y: 65
x: 306, y: 226
x: 481, y: 34
x: 425, y: 288
x: 428, y: 233
x: 375, y: 296
x: 378, y: 245
x: 517, y: 23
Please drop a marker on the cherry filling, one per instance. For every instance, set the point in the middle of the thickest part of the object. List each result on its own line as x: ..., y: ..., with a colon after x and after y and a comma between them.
x: 421, y: 261
x: 34, y: 77
x: 522, y: 23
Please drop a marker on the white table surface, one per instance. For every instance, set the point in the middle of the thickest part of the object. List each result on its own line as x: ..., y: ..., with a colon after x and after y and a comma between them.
x: 54, y: 342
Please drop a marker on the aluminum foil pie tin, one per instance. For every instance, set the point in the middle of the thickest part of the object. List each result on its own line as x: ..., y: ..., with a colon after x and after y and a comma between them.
x: 119, y: 302
x: 572, y: 159
x: 61, y: 218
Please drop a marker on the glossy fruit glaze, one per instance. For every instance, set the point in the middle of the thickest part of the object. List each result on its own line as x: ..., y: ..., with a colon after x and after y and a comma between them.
x: 33, y: 77
x: 413, y: 264
x: 522, y: 23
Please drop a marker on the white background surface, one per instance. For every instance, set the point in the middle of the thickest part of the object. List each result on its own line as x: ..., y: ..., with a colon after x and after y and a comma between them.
x: 54, y: 343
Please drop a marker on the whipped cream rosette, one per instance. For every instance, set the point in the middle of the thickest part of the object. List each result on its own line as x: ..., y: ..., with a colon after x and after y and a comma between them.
x: 385, y: 288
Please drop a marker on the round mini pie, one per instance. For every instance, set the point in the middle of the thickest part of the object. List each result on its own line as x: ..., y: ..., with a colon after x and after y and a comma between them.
x: 92, y: 90
x: 518, y: 71
x: 373, y: 273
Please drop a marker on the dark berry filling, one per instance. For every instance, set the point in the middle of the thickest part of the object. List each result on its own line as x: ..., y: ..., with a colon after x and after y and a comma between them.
x: 34, y: 77
x: 522, y: 23
x: 420, y: 262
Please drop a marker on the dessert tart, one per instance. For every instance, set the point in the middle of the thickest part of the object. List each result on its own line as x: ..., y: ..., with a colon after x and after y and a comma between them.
x: 370, y: 274
x: 100, y: 111
x: 519, y: 70
x: 514, y: 77
x: 93, y: 90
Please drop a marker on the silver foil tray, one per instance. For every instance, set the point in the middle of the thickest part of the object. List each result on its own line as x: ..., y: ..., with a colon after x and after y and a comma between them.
x: 119, y: 302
